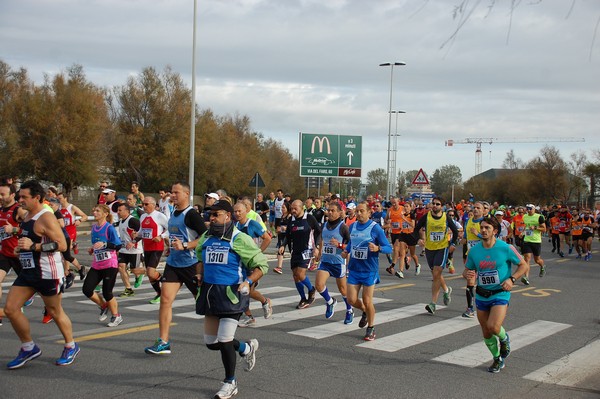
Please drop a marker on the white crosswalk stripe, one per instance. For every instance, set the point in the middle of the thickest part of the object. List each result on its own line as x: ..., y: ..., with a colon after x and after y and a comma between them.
x: 477, y: 354
x: 571, y: 369
x: 331, y: 329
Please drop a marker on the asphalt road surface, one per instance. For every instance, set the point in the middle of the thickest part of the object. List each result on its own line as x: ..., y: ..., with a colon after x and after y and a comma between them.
x: 553, y: 324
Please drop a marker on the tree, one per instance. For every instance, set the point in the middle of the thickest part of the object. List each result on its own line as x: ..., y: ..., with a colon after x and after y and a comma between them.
x: 376, y: 181
x: 444, y: 178
x: 512, y: 162
x: 550, y: 171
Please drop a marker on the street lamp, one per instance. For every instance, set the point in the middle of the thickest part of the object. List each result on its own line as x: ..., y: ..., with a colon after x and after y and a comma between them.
x: 394, y: 155
x: 193, y: 112
x: 392, y: 65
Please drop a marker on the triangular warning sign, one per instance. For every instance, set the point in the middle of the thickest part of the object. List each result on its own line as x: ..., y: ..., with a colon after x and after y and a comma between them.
x: 420, y: 178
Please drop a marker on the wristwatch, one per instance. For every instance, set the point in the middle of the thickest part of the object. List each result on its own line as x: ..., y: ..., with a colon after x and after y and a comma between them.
x: 185, y: 245
x: 513, y: 279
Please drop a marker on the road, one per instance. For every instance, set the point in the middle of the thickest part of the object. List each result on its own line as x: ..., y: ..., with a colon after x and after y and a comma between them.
x: 553, y: 323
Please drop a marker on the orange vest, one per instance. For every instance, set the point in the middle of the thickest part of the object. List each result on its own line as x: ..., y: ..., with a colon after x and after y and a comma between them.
x: 519, y: 225
x: 396, y: 219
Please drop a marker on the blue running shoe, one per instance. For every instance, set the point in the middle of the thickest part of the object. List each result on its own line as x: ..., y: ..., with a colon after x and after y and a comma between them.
x: 29, y: 301
x: 23, y: 357
x: 68, y: 355
x: 349, y: 317
x: 160, y: 347
x: 570, y: 250
x: 505, y: 347
x: 330, y: 309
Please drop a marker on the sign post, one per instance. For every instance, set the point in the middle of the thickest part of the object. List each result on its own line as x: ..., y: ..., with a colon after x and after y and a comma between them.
x: 257, y: 182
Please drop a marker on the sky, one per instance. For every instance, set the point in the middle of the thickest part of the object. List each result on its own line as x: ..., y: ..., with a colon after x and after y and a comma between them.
x: 474, y: 69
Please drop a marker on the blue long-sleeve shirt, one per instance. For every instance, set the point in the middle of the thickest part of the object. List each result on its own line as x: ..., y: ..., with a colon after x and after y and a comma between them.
x: 361, y: 234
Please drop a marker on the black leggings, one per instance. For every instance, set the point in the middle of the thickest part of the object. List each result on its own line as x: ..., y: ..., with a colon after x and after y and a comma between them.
x: 93, y: 278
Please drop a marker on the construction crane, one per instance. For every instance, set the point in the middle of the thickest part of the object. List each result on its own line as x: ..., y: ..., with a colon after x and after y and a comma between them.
x: 491, y: 140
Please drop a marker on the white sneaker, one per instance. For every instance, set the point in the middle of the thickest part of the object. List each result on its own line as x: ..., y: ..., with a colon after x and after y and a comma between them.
x: 250, y: 358
x: 399, y: 274
x: 228, y: 390
x: 417, y: 270
x: 267, y: 309
x: 247, y: 321
x: 115, y: 321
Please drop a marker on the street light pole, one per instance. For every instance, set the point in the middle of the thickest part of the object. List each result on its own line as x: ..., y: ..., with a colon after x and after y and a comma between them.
x: 392, y: 65
x: 394, y: 156
x: 193, y: 113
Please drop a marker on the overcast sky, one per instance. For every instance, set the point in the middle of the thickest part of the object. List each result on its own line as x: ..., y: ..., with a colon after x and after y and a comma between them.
x: 313, y: 66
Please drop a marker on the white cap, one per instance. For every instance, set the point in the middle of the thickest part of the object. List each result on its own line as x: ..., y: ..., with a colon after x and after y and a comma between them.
x: 351, y: 205
x: 499, y: 213
x: 212, y: 195
x: 108, y: 191
x: 530, y: 206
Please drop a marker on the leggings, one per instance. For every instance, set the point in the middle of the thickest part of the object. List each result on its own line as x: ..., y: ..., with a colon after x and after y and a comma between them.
x: 95, y: 276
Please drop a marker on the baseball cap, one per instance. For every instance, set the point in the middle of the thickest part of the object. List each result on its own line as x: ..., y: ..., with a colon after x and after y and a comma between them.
x: 351, y: 205
x: 530, y: 206
x: 212, y: 195
x: 222, y: 205
x: 108, y: 191
x: 499, y: 213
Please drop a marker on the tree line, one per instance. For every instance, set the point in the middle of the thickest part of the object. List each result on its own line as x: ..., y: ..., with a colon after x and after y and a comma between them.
x: 70, y: 131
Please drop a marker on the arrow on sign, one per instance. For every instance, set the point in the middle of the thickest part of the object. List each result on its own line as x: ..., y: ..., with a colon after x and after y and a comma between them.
x: 350, y: 155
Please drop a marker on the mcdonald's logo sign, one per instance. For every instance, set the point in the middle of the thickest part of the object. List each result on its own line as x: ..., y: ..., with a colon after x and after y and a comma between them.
x: 321, y: 141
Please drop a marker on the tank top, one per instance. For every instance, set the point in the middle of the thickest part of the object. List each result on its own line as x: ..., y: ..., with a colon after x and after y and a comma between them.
x: 44, y: 265
x: 330, y: 253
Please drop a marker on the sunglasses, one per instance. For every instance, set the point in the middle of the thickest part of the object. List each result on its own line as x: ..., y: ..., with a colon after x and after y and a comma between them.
x: 215, y: 214
x: 147, y: 203
x: 436, y: 203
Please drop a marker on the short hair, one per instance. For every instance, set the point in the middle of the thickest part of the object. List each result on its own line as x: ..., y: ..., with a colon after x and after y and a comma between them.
x: 337, y: 205
x: 183, y: 184
x: 35, y: 188
x: 122, y: 204
x: 64, y: 194
x: 11, y: 187
x: 493, y: 221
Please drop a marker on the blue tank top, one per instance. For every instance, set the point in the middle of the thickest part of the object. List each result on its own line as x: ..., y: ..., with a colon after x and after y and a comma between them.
x: 177, y: 228
x: 359, y: 240
x: 330, y: 253
x: 222, y: 265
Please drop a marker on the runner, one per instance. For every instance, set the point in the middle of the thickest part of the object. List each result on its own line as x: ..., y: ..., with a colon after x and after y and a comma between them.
x: 367, y: 240
x: 284, y: 222
x: 104, y: 268
x: 39, y: 244
x: 230, y: 262
x: 491, y: 262
x: 73, y: 216
x: 334, y: 236
x: 535, y: 225
x: 589, y: 224
x: 185, y: 228
x: 130, y: 253
x: 393, y: 223
x: 472, y: 238
x: 433, y: 230
x: 302, y: 233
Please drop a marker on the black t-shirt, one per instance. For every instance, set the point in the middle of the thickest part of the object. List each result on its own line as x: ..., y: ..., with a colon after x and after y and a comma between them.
x: 262, y: 208
x: 193, y: 220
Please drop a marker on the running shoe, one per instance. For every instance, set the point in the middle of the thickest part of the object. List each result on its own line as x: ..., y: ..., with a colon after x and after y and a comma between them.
x: 138, y: 281
x: 579, y: 256
x: 553, y: 250
x: 505, y: 347
x: 160, y: 347
x: 542, y: 271
x: 303, y: 304
x: 69, y: 280
x: 330, y: 309
x: 29, y: 301
x: 570, y: 250
x: 311, y: 296
x: 418, y: 270
x: 451, y: 268
x: 497, y: 365
x: 370, y: 334
x: 447, y: 296
x: 81, y: 272
x: 525, y: 280
x: 155, y: 300
x: 349, y: 317
x: 278, y: 270
x: 103, y: 313
x: 47, y: 317
x: 0, y: 321
x: 561, y: 254
x: 247, y: 321
x: 422, y: 252
x: 430, y: 308
x: 126, y: 293
x: 469, y: 313
x: 390, y: 269
x: 75, y: 248
x: 228, y: 390
x: 68, y: 356
x: 98, y: 288
x: 267, y: 309
x: 23, y: 357
x: 363, y: 320
x: 250, y: 358
x: 115, y: 321
x: 399, y: 274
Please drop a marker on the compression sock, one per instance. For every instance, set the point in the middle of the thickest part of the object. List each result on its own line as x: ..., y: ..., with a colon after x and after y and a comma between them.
x: 470, y: 296
x: 229, y: 359
x: 307, y: 283
x: 348, y: 306
x: 156, y: 284
x: 300, y: 288
x: 501, y: 334
x: 492, y: 344
x: 325, y: 295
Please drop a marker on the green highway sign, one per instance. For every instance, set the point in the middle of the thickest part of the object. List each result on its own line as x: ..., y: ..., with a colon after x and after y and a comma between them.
x: 330, y: 155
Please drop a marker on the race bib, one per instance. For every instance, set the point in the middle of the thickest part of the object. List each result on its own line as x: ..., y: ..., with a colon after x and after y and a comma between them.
x: 395, y: 225
x: 172, y: 238
x: 528, y: 232
x: 472, y: 243
x: 26, y: 259
x: 306, y: 255
x: 219, y: 256
x: 436, y: 236
x: 520, y: 229
x: 360, y: 253
x: 67, y: 222
x: 405, y: 225
x: 147, y: 234
x: 488, y: 278
x: 101, y: 254
x: 328, y: 249
x: 4, y: 235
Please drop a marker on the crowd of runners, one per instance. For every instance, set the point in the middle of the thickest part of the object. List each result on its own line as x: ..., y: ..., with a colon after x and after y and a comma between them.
x: 217, y: 250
